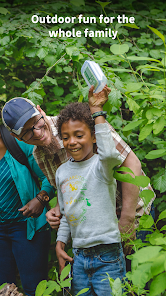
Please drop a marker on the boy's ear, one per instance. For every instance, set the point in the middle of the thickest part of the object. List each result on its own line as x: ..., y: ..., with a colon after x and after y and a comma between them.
x: 15, y: 136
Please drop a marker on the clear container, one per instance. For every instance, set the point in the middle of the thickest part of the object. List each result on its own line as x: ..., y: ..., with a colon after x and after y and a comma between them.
x: 93, y: 75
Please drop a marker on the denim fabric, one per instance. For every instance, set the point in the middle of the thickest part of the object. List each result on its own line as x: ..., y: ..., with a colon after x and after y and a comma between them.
x: 90, y: 267
x: 30, y: 256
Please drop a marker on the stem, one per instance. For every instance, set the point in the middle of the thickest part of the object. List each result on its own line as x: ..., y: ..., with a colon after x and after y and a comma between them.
x: 39, y: 82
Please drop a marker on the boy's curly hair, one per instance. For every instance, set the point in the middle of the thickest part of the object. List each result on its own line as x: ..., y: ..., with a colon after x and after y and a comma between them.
x: 75, y: 111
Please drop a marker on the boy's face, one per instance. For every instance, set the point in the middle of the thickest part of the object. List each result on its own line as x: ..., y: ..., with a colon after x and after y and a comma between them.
x: 77, y: 139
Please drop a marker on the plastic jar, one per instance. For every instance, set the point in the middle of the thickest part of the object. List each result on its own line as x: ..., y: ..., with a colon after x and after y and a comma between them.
x: 93, y: 75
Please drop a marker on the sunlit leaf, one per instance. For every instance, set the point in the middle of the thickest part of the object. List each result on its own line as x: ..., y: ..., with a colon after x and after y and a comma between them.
x: 157, y: 33
x: 158, y: 284
x: 3, y: 10
x: 133, y: 125
x: 134, y: 26
x: 65, y: 272
x: 41, y: 287
x: 145, y: 131
x: 156, y: 153
x: 119, y: 48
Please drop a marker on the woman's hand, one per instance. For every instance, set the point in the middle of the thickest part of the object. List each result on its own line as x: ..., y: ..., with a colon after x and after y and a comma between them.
x: 33, y: 208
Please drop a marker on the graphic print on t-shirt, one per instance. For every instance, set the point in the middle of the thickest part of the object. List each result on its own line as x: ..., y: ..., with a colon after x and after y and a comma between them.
x: 75, y: 200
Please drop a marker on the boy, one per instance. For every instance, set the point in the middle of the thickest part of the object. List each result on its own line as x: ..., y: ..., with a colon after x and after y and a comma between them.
x: 86, y: 193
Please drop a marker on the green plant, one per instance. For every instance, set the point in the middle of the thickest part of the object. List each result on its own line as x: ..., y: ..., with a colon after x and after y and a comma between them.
x: 49, y: 287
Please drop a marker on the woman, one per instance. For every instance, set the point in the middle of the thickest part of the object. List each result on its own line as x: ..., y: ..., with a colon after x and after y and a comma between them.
x: 24, y: 232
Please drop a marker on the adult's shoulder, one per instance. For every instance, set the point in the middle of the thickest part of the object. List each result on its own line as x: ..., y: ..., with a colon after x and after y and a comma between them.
x: 27, y: 148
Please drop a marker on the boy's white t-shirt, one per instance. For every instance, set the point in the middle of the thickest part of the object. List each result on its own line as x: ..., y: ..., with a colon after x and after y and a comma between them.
x: 87, y: 195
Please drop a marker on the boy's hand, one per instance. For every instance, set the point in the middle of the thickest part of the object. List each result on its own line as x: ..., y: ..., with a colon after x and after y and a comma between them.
x: 53, y: 217
x: 62, y: 255
x: 97, y: 101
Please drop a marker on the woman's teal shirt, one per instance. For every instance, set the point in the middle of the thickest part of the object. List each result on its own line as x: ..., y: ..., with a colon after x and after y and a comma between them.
x: 27, y: 187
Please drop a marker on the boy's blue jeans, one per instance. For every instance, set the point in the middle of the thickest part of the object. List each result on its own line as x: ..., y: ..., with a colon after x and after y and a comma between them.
x: 90, y: 267
x: 30, y: 256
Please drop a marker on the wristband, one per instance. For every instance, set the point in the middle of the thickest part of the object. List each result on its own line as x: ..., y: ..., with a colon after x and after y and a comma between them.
x: 99, y: 113
x: 41, y: 201
x: 43, y: 197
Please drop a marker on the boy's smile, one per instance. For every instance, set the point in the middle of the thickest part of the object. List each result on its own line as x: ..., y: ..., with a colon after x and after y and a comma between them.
x: 77, y: 139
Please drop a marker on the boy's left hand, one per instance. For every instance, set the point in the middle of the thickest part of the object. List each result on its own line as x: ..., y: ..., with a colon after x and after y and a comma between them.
x: 97, y: 100
x: 62, y: 256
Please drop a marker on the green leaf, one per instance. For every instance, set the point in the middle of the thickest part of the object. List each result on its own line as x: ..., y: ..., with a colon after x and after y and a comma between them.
x: 134, y: 26
x: 163, y: 228
x: 119, y: 48
x: 82, y: 291
x: 42, y: 52
x: 66, y: 283
x: 142, y: 181
x: 158, y: 285
x: 124, y: 178
x: 51, y: 286
x: 77, y: 3
x: 3, y: 10
x: 159, y: 125
x: 133, y: 86
x: 50, y: 79
x: 154, y: 237
x: 132, y: 125
x: 18, y: 84
x: 133, y: 106
x: 141, y: 275
x: 1, y: 286
x: 5, y: 40
x: 163, y: 20
x: 58, y: 91
x: 68, y: 69
x: 157, y: 33
x: 35, y: 98
x: 145, y: 131
x: 31, y: 52
x: 121, y: 70
x: 160, y: 183
x: 65, y: 272
x: 147, y: 195
x: 41, y: 287
x: 156, y: 154
x: 50, y: 59
x: 146, y: 254
x: 71, y: 49
x: 124, y: 169
x: 114, y: 97
x: 103, y: 4
x: 153, y: 112
x: 162, y: 215
x: 117, y: 287
x: 135, y: 58
x: 146, y: 221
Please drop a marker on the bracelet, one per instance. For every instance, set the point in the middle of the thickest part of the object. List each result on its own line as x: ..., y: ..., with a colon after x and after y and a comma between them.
x: 43, y: 197
x: 41, y: 201
x: 99, y: 113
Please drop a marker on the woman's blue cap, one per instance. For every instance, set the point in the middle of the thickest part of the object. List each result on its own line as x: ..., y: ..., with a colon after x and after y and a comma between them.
x: 17, y: 112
